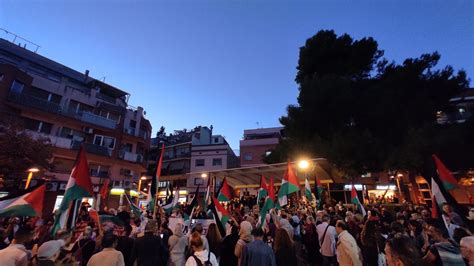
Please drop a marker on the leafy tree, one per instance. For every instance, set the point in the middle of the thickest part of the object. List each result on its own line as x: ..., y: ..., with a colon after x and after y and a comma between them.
x: 19, y: 151
x: 364, y: 113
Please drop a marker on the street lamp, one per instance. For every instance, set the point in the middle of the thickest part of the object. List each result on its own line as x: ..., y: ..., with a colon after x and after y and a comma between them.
x: 303, y: 164
x: 203, y: 175
x: 30, y: 175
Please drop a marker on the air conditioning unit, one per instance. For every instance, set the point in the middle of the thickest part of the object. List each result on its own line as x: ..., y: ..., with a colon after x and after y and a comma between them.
x: 88, y: 130
x: 126, y: 172
x: 117, y: 183
x: 96, y: 189
x: 51, y: 186
x: 62, y: 186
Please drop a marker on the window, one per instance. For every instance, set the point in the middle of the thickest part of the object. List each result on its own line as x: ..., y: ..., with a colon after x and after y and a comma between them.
x: 37, y: 126
x: 109, y: 115
x: 133, y: 123
x: 78, y: 107
x: 17, y: 86
x: 216, y: 140
x: 200, y: 162
x: 98, y: 170
x: 62, y: 165
x: 44, y: 95
x: 198, y: 181
x: 217, y: 161
x: 248, y: 157
x: 104, y: 141
x: 127, y: 147
x: 72, y: 134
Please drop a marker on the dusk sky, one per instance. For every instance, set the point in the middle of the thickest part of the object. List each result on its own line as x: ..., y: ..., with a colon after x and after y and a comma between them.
x: 227, y: 63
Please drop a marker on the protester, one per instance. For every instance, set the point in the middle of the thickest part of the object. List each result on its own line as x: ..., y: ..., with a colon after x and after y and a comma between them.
x: 257, y: 252
x: 228, y: 257
x: 84, y: 248
x: 372, y: 243
x: 310, y: 240
x: 444, y: 251
x: 177, y: 246
x: 401, y: 251
x: 16, y: 254
x: 201, y: 256
x: 125, y: 245
x: 48, y: 252
x: 285, y: 253
x: 327, y: 241
x: 109, y: 255
x: 148, y: 250
x: 348, y: 252
x: 214, y: 239
x: 198, y: 228
x: 467, y: 249
x: 245, y: 237
x: 454, y: 217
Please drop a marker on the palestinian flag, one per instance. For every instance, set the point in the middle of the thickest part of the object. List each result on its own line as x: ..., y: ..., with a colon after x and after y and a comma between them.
x: 78, y: 186
x: 104, y: 190
x: 307, y: 190
x: 224, y: 192
x: 29, y: 204
x: 355, y: 200
x: 172, y: 202
x: 134, y: 208
x: 271, y: 190
x: 438, y: 199
x: 319, y: 193
x: 446, y: 177
x: 289, y: 184
x: 221, y: 215
x: 151, y: 197
x: 188, y: 213
x: 263, y: 190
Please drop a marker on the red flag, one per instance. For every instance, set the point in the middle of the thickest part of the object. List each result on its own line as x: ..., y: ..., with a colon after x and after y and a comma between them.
x: 447, y: 178
x: 104, y: 190
x: 271, y: 189
x: 224, y: 193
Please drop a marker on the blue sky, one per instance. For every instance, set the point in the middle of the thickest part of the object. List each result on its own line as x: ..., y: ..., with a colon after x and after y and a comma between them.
x: 224, y: 62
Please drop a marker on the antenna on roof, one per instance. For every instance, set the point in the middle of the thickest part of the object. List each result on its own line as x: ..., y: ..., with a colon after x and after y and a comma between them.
x: 258, y: 124
x: 16, y: 36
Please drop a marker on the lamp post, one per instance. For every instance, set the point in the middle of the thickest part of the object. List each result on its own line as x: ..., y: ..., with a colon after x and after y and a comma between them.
x: 304, y: 165
x: 30, y: 175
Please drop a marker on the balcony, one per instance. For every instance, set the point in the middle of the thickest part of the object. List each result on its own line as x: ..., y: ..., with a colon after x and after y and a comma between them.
x: 129, y: 131
x: 34, y: 102
x: 101, y: 174
x: 106, y: 98
x: 131, y: 157
x: 55, y: 141
x: 98, y: 120
x: 92, y: 148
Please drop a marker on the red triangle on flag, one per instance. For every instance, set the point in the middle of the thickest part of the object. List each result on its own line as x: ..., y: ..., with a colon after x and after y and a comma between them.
x: 290, y: 176
x: 263, y: 183
x: 447, y: 178
x: 36, y: 199
x: 80, y: 172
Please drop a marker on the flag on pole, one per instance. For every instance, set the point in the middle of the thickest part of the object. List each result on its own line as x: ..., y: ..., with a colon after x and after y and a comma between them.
x: 134, y: 208
x: 28, y: 204
x: 151, y: 197
x: 190, y: 208
x: 224, y: 192
x: 263, y: 190
x: 78, y: 186
x: 307, y: 190
x: 221, y: 215
x: 319, y: 192
x: 438, y: 199
x: 104, y: 190
x: 271, y: 190
x: 355, y: 200
x: 205, y: 201
x: 446, y: 177
x: 172, y: 202
x: 289, y: 184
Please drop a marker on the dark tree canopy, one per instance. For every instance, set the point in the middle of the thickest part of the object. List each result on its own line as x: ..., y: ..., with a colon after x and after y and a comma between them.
x: 364, y: 114
x: 19, y: 151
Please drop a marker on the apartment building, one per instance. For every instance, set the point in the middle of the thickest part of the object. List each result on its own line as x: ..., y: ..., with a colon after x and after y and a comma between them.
x: 71, y: 108
x: 258, y: 143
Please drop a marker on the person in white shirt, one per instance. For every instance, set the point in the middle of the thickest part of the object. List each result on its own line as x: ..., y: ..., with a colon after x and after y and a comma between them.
x: 327, y: 241
x: 348, y: 252
x: 467, y: 249
x: 204, y: 256
x: 109, y: 255
x: 16, y: 254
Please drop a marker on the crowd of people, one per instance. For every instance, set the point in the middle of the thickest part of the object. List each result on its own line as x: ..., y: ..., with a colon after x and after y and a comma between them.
x: 298, y: 234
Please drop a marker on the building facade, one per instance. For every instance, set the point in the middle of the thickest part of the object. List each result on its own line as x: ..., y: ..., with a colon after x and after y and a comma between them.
x: 72, y: 109
x: 258, y: 143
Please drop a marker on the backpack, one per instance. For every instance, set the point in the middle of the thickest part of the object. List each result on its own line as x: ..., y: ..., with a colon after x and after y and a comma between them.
x: 206, y: 263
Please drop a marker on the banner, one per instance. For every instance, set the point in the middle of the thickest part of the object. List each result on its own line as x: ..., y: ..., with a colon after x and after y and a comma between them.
x: 172, y: 222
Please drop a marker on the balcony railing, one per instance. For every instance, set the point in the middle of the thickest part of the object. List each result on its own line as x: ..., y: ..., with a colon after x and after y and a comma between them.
x: 106, y: 98
x: 129, y: 131
x: 98, y: 120
x: 92, y: 148
x: 55, y: 141
x: 35, y: 102
x: 131, y: 157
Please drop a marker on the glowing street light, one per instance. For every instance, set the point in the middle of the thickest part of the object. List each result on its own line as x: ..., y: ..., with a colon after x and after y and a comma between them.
x: 30, y: 175
x: 203, y: 175
x: 303, y: 164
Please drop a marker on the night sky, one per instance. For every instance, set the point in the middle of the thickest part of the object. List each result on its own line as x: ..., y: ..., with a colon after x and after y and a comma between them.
x: 227, y: 63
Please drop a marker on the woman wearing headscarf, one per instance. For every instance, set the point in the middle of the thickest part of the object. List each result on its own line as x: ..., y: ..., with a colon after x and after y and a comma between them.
x: 177, y: 246
x: 245, y: 237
